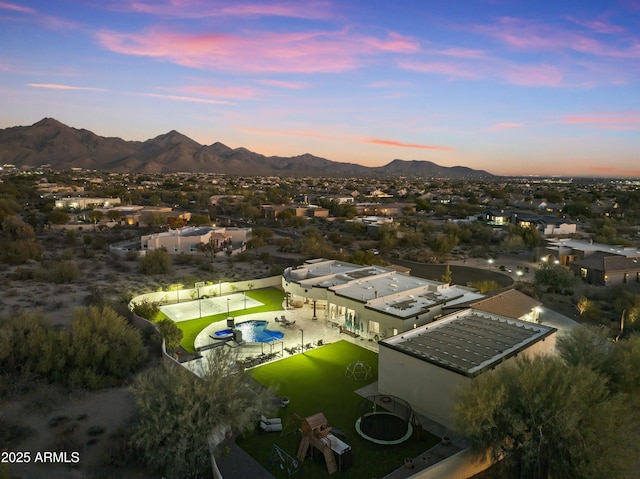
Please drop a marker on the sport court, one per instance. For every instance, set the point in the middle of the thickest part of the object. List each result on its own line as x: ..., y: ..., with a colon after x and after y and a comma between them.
x: 209, y: 307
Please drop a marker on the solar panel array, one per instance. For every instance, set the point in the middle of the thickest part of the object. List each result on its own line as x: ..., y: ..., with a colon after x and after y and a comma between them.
x: 465, y: 343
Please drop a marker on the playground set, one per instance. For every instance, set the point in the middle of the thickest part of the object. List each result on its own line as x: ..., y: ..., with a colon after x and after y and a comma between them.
x: 316, y: 434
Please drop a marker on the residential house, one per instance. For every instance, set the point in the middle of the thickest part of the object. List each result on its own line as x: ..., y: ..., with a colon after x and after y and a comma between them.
x: 371, y: 301
x: 187, y: 239
x: 438, y: 358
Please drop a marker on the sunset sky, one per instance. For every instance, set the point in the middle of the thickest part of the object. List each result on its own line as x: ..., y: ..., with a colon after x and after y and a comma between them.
x: 541, y: 87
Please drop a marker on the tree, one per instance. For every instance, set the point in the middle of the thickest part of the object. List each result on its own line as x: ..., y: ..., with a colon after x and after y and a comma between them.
x: 210, y: 248
x: 177, y: 412
x: 114, y: 215
x: 588, y: 309
x: 446, y: 277
x: 95, y: 216
x: 171, y: 333
x: 58, y: 217
x: 156, y: 261
x: 146, y: 309
x: 17, y: 241
x: 549, y: 419
x: 555, y: 276
x: 104, y: 349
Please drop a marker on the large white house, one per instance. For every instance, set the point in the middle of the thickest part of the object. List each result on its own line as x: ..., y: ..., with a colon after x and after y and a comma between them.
x: 371, y: 301
x: 187, y: 239
x: 438, y: 358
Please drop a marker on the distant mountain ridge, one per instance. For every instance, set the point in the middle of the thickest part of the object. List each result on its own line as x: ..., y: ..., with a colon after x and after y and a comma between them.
x: 49, y: 142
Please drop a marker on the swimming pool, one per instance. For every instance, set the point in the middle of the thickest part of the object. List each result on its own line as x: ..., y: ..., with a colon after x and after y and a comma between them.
x: 254, y: 331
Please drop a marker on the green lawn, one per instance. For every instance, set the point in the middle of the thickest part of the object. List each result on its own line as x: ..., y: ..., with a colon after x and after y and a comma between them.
x: 315, y: 382
x: 271, y: 299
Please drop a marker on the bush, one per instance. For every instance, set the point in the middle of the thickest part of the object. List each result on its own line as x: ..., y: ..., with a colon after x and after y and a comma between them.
x: 64, y: 272
x: 171, y: 333
x: 146, y: 309
x: 104, y: 348
x: 156, y: 261
x: 132, y: 255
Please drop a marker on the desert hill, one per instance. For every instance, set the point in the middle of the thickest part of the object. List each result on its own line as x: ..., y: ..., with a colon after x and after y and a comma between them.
x: 50, y: 142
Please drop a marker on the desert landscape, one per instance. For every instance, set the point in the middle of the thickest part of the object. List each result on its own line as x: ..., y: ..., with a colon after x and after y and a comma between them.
x: 40, y: 417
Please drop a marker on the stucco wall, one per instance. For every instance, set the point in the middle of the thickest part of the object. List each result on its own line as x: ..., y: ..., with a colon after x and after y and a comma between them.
x: 429, y: 389
x: 462, y: 465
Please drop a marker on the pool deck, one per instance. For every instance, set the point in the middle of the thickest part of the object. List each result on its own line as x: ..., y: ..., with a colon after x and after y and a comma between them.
x: 301, y: 325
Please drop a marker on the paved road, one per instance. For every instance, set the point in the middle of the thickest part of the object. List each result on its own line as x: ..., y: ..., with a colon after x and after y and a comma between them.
x: 460, y: 274
x: 563, y: 324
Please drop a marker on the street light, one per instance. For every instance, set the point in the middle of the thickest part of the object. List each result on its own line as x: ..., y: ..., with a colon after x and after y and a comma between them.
x: 490, y: 262
x: 245, y: 300
x: 302, y: 345
x: 199, y: 284
x: 228, y: 299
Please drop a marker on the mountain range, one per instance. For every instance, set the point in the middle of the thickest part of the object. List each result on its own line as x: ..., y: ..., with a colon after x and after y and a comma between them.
x: 50, y: 142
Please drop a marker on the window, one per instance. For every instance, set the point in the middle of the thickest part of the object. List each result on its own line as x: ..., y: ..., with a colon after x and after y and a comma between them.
x: 583, y: 272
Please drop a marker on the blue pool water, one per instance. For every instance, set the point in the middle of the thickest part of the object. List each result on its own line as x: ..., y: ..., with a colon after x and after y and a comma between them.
x: 253, y: 331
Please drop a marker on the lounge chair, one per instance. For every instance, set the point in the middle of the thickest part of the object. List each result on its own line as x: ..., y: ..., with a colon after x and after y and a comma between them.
x: 271, y: 424
x: 273, y: 420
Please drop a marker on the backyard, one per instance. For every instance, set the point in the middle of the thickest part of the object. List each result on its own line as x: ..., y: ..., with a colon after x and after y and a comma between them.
x: 315, y: 382
x: 271, y: 299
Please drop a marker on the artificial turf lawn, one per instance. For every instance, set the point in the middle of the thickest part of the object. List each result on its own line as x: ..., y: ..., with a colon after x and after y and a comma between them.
x: 316, y: 382
x: 271, y: 299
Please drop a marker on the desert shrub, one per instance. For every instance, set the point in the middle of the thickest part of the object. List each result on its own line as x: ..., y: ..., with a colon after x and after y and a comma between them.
x: 183, y: 259
x: 64, y: 272
x: 104, y: 348
x: 156, y: 261
x: 132, y: 255
x: 171, y: 333
x: 146, y: 309
x: 485, y: 286
x: 22, y: 274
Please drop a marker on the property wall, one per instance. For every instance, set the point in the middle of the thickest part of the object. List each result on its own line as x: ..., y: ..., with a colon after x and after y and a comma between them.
x: 462, y: 465
x: 217, y: 289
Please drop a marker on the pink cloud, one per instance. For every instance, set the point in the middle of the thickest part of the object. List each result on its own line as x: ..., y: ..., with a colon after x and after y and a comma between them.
x: 598, y: 26
x: 461, y: 52
x: 237, y: 92
x: 187, y: 99
x: 48, y: 21
x: 390, y: 84
x: 301, y: 52
x: 379, y: 141
x: 504, y: 126
x: 449, y: 69
x: 534, y: 75
x: 202, y: 9
x: 521, y: 34
x: 17, y: 8
x: 53, y: 86
x: 607, y: 121
x: 290, y: 9
x: 284, y: 84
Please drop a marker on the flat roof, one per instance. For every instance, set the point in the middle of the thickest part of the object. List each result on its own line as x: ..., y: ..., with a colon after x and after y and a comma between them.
x: 421, y: 301
x: 326, y: 273
x: 469, y: 341
x: 585, y: 246
x: 384, y: 284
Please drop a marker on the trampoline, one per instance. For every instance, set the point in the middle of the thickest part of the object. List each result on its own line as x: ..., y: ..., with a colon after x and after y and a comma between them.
x: 384, y: 419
